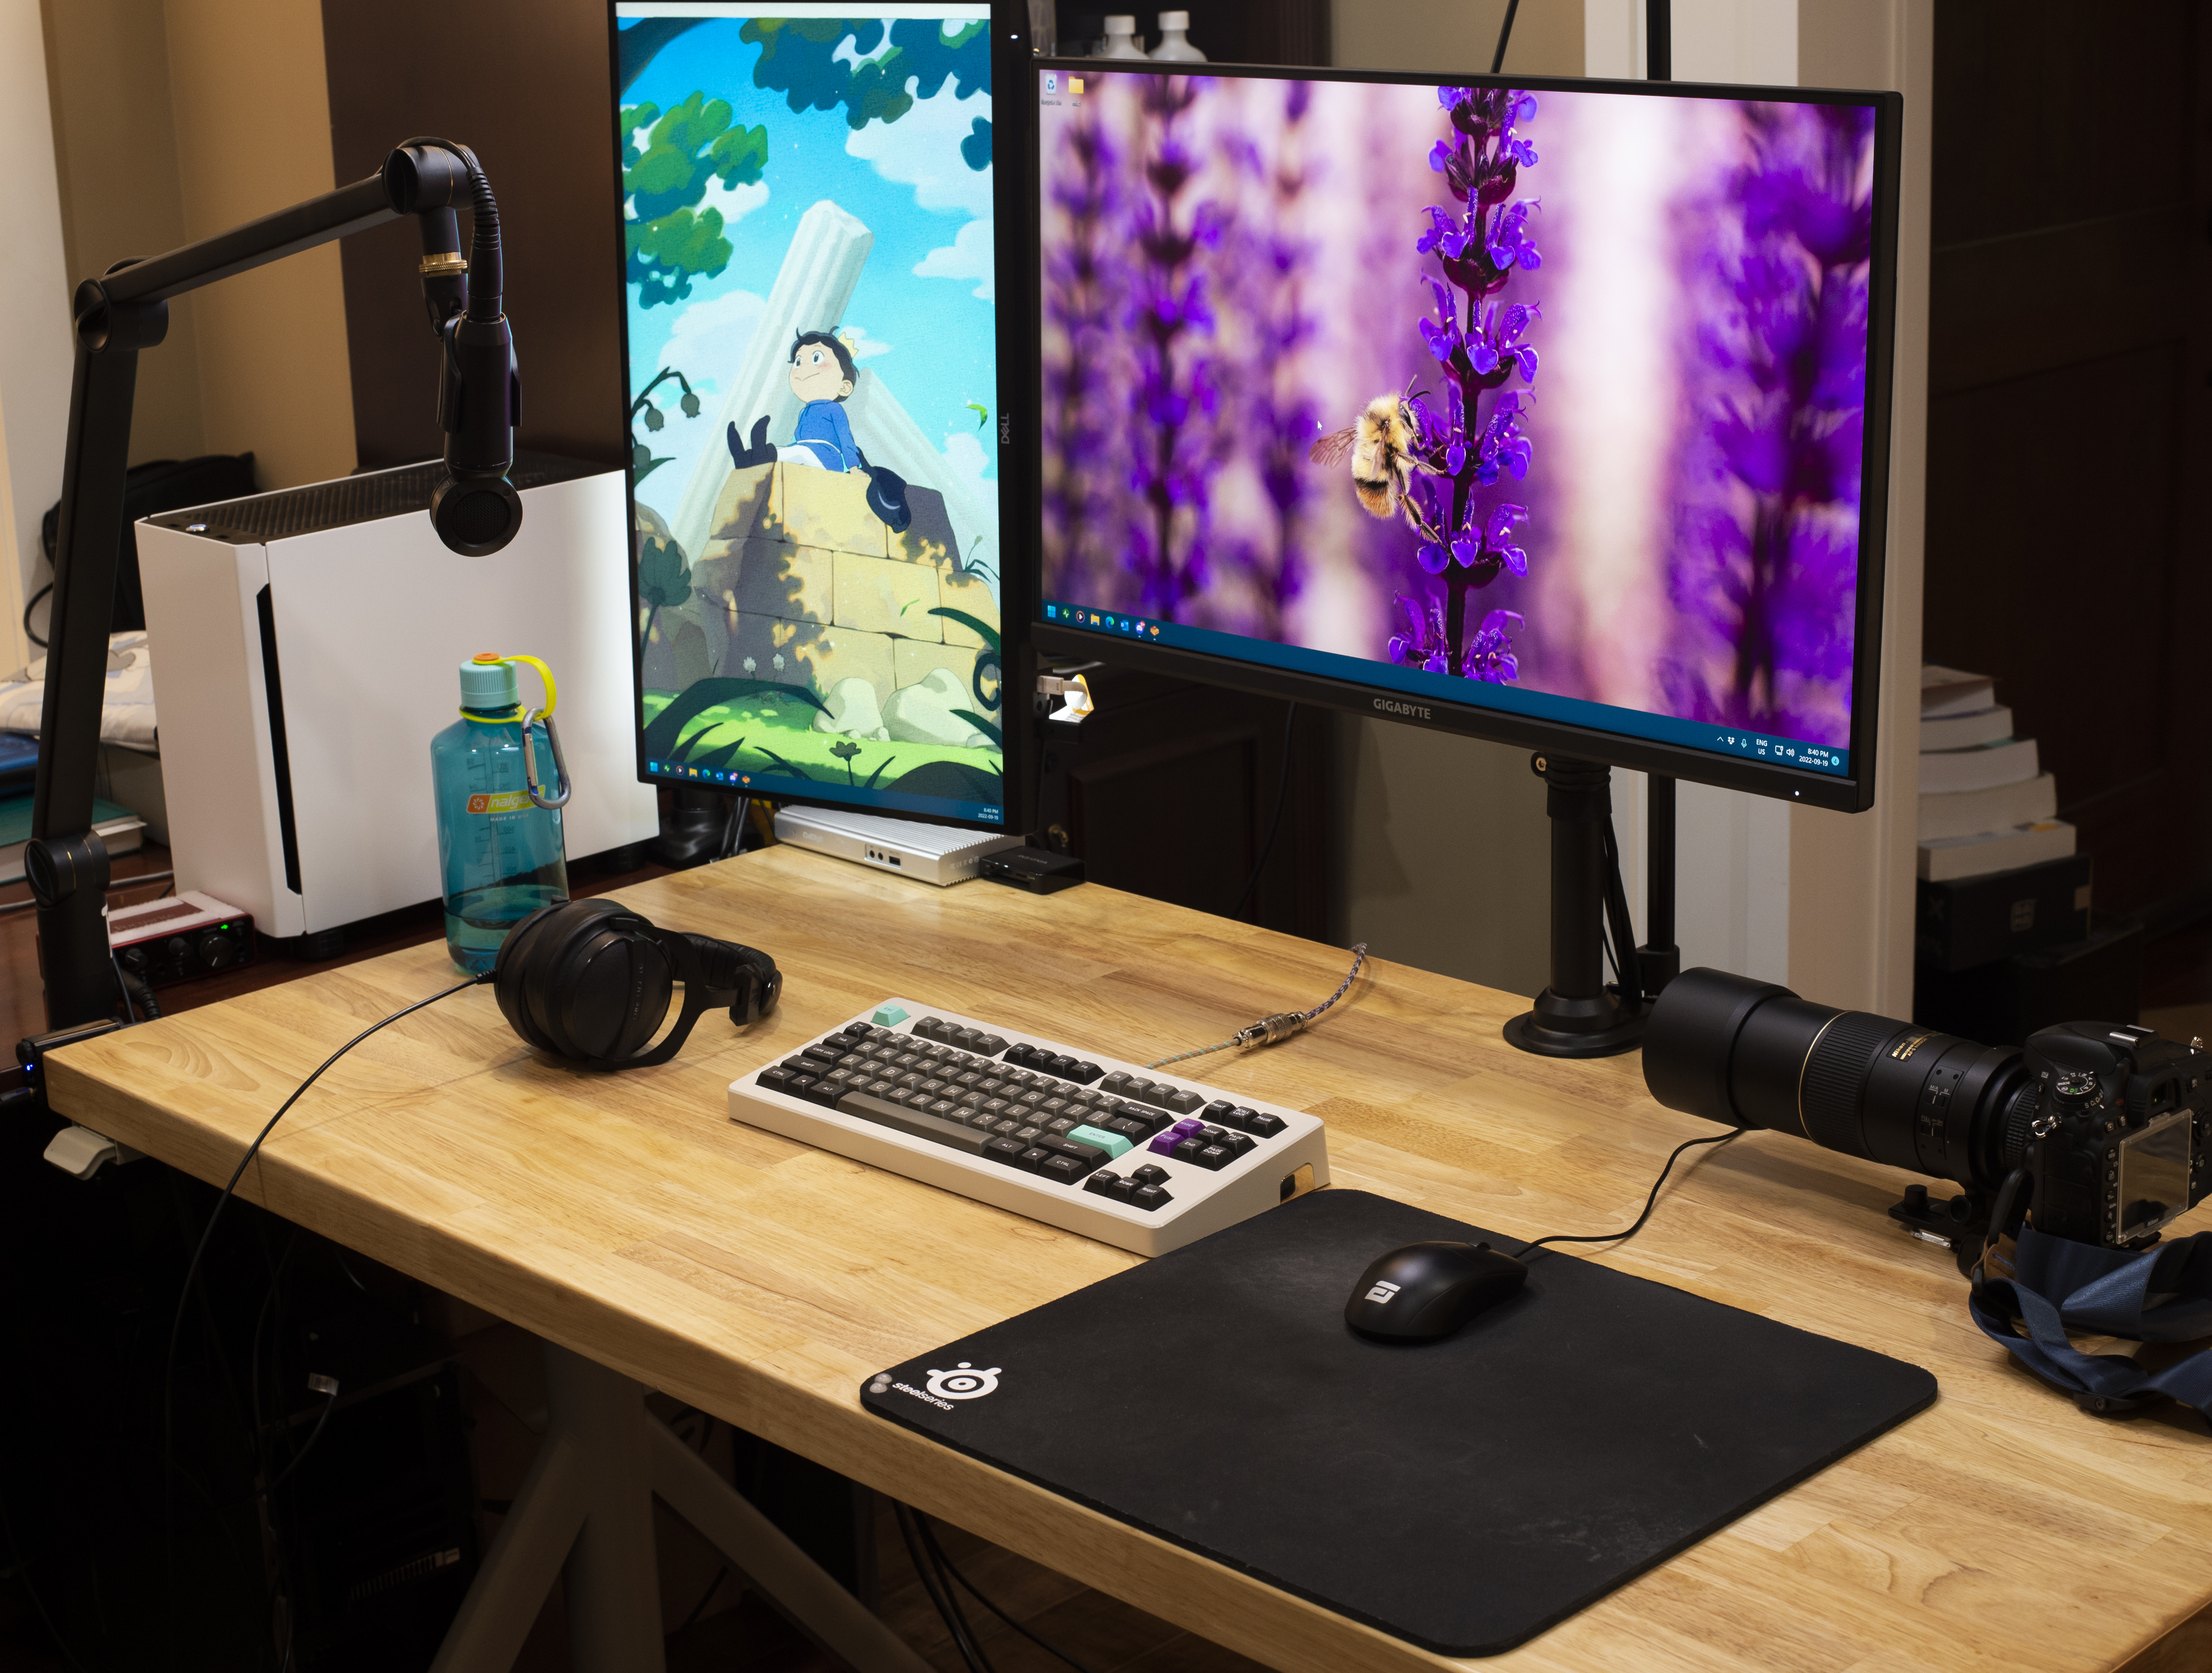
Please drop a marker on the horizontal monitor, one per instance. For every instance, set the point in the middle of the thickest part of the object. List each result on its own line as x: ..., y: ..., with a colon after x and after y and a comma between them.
x: 812, y: 353
x: 1551, y: 412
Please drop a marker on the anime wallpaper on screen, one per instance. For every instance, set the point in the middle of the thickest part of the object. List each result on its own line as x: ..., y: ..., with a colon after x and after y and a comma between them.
x: 813, y: 388
x: 1493, y: 392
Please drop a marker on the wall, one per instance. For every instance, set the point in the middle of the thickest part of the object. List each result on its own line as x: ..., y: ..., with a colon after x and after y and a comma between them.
x: 1404, y: 34
x: 115, y: 153
x: 253, y: 125
x: 34, y: 346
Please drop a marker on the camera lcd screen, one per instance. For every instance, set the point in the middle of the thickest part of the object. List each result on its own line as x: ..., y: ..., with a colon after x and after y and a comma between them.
x: 2154, y: 1174
x: 1552, y: 401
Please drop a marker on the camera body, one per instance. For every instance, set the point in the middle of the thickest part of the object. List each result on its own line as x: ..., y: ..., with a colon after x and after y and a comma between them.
x: 2119, y: 1135
x: 2112, y: 1122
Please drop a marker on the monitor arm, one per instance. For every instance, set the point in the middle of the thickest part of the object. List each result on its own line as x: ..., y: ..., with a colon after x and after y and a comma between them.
x: 474, y: 510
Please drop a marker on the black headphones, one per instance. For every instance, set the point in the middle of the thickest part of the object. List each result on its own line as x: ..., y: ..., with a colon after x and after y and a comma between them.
x: 591, y: 980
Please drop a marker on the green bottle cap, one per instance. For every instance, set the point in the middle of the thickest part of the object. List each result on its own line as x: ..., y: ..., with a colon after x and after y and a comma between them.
x: 488, y: 687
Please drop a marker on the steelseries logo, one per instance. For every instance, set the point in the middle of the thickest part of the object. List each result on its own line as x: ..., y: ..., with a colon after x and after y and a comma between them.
x: 1388, y: 706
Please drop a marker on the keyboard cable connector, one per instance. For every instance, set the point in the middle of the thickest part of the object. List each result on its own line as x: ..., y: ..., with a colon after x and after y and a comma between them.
x: 1270, y: 1029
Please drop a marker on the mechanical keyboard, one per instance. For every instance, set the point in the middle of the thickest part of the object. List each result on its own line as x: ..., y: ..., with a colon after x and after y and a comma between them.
x: 1083, y: 1143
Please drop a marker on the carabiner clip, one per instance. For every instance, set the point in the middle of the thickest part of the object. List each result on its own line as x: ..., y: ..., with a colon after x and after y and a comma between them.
x: 530, y: 718
x: 530, y: 761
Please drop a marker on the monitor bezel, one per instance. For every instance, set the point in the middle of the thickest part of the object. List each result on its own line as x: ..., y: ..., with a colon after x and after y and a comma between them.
x: 1013, y: 141
x: 1849, y: 793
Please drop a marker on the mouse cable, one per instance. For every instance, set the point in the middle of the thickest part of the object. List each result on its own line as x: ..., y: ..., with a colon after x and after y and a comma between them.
x: 1269, y: 1029
x: 1649, y: 1203
x: 192, y: 1269
x: 929, y: 1538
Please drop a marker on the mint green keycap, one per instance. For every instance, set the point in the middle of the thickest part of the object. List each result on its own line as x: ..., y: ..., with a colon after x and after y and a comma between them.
x: 1112, y: 1144
x: 888, y: 1016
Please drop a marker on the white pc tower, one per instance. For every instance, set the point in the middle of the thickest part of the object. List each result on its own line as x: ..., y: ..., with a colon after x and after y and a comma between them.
x: 307, y: 642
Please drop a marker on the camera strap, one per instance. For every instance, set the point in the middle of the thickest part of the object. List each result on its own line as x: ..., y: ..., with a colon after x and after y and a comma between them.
x: 2158, y: 1294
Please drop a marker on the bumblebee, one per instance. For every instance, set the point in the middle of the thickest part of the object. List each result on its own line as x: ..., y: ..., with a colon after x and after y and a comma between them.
x: 1380, y: 443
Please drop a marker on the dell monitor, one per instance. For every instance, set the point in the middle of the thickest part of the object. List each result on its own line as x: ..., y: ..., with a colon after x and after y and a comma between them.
x: 1555, y: 413
x: 816, y: 413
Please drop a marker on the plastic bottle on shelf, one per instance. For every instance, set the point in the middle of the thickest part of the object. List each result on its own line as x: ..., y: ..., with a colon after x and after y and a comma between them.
x: 498, y: 839
x: 1121, y: 39
x: 1175, y: 42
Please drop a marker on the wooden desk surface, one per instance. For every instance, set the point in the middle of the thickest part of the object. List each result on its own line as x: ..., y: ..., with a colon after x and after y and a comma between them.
x: 627, y: 1217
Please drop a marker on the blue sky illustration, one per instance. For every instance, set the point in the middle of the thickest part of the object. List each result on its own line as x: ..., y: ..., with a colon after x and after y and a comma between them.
x: 923, y: 315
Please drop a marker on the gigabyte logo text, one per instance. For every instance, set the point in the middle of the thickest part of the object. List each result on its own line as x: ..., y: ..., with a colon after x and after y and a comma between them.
x: 1390, y: 707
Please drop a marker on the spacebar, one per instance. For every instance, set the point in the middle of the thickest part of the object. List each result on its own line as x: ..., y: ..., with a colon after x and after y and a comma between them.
x: 869, y: 1107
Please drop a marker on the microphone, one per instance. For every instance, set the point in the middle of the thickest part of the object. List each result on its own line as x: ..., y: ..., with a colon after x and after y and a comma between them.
x: 474, y: 510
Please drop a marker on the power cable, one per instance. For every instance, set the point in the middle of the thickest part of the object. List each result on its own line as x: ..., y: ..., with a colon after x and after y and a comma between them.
x: 934, y: 1585
x: 929, y: 1535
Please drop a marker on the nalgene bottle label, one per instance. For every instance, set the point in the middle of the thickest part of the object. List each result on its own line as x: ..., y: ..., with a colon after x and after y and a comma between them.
x: 507, y: 801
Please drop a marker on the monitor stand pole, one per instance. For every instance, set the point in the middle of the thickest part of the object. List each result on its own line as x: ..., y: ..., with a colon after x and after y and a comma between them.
x: 1578, y: 1016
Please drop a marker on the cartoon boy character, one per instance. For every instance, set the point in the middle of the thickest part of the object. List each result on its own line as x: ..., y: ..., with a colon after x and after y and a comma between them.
x: 822, y: 376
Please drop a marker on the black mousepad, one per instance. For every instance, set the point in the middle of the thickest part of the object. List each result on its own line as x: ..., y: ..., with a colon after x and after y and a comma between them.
x: 1464, y: 1493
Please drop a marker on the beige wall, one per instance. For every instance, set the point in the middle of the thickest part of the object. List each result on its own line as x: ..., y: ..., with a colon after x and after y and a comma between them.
x: 1460, y: 36
x: 174, y: 120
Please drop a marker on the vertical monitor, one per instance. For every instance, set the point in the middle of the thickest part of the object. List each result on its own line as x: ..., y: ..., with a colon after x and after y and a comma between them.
x: 1551, y: 412
x: 813, y: 393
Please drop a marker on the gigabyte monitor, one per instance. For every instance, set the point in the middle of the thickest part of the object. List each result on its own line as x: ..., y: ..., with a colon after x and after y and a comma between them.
x: 1551, y: 412
x: 816, y: 416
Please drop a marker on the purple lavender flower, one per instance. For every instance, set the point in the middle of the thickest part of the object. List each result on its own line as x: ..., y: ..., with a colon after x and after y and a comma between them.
x: 1423, y: 641
x: 1086, y: 290
x: 1763, y: 568
x: 1479, y: 344
x: 1172, y: 323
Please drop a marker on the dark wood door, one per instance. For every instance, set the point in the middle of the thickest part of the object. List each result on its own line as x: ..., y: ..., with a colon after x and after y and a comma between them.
x: 2068, y: 419
x: 1168, y: 790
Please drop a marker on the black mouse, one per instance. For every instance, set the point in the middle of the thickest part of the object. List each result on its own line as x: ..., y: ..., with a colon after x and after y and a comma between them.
x: 1427, y: 1290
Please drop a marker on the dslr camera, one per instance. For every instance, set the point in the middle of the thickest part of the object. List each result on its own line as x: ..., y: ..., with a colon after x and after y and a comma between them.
x: 2107, y: 1124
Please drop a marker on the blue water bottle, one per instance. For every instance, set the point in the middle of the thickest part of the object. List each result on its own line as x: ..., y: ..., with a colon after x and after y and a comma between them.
x: 499, y: 828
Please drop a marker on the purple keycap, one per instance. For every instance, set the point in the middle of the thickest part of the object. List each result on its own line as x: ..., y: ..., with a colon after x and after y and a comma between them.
x: 1165, y: 1143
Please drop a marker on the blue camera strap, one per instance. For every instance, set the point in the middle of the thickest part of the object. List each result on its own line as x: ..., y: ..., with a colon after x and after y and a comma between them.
x: 2158, y: 1294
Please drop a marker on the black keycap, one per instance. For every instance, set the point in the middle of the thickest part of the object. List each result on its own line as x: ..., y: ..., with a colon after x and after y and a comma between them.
x: 776, y: 1078
x: 1034, y: 1159
x: 1151, y: 1173
x: 1188, y: 1149
x: 1214, y: 1157
x: 1152, y: 1121
x: 1135, y: 1132
x: 1238, y: 1144
x: 930, y: 1027
x: 1221, y: 1112
x: 1149, y: 1197
x: 1004, y: 1150
x: 1263, y: 1126
x: 948, y: 1133
x: 800, y: 1065
x: 1117, y: 1083
x: 1145, y: 1092
x: 1109, y: 1184
x: 1084, y: 1156
x: 799, y: 1085
x: 1017, y: 1055
x: 966, y: 1039
x: 1061, y: 1170
x: 990, y: 1045
x: 1062, y: 1065
x: 1182, y: 1103
x: 1029, y: 1135
x: 1086, y: 1072
x: 1211, y: 1135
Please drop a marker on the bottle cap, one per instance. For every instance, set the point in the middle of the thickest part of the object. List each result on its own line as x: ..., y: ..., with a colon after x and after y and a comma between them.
x: 1120, y: 24
x: 1174, y: 21
x: 488, y: 686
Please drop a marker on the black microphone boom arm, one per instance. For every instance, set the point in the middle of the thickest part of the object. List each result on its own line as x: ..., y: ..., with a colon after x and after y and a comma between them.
x: 125, y: 310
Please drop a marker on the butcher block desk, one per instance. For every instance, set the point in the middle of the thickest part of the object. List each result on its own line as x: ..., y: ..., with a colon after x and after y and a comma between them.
x: 625, y: 1217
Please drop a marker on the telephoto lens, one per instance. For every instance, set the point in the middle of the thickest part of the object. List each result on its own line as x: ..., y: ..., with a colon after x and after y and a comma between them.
x: 1750, y: 1054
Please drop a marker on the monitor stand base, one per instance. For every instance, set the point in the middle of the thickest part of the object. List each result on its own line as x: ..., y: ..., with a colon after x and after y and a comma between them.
x: 1578, y: 1014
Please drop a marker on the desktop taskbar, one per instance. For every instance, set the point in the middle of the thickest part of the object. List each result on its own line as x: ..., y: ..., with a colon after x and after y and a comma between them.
x: 1720, y: 738
x: 775, y: 786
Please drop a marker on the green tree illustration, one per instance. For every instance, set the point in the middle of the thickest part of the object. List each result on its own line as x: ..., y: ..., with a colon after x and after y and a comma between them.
x: 671, y: 235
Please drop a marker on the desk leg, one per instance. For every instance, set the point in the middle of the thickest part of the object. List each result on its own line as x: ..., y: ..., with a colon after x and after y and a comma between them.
x: 588, y: 1498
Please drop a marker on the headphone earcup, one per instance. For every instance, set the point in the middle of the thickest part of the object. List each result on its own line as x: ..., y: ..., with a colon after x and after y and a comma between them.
x: 610, y: 993
x: 511, y: 971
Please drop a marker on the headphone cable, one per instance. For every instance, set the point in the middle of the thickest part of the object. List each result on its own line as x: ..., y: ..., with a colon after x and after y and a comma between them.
x: 191, y: 1273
